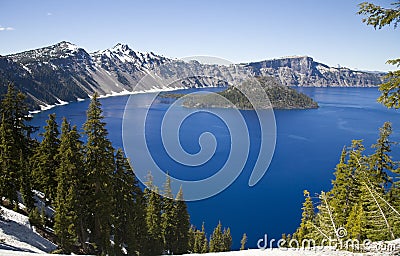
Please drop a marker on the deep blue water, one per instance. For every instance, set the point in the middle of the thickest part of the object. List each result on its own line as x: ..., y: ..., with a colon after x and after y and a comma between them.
x: 308, y: 146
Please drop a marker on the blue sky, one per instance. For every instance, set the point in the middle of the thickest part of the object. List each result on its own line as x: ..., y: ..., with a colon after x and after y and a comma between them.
x: 239, y: 31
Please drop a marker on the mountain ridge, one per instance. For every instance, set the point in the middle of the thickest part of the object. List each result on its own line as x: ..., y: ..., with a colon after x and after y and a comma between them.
x: 65, y: 72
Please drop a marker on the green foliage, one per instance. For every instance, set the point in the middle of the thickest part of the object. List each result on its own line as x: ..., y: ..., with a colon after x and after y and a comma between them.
x: 70, y: 189
x: 307, y: 219
x: 198, y: 242
x: 15, y: 145
x: 35, y: 219
x: 220, y: 241
x: 128, y: 208
x: 364, y: 201
x: 279, y: 97
x: 99, y: 166
x: 44, y: 160
x: 153, y: 219
x: 181, y: 242
x: 379, y: 17
x: 94, y: 192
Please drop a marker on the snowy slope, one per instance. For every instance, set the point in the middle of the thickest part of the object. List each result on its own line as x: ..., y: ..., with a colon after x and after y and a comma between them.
x: 16, y: 234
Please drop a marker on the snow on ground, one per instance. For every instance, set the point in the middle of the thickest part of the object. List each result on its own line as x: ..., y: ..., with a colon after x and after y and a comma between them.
x: 17, y: 237
x: 16, y: 234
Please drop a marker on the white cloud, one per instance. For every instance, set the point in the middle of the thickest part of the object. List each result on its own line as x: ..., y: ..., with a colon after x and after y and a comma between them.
x: 49, y: 14
x: 6, y: 28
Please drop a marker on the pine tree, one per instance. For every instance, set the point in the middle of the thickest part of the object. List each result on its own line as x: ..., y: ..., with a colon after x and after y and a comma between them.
x: 377, y: 213
x: 128, y: 206
x: 381, y: 162
x: 343, y: 191
x: 154, y: 245
x: 379, y: 17
x: 217, y: 239
x: 181, y: 244
x: 45, y: 161
x: 356, y: 223
x: 168, y: 218
x: 326, y: 225
x: 200, y: 243
x: 71, y: 184
x: 307, y: 219
x: 243, y: 242
x: 15, y: 145
x: 227, y: 238
x: 203, y: 240
x: 192, y: 238
x: 99, y: 165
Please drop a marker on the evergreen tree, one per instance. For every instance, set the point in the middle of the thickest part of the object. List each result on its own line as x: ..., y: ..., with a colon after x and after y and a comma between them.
x: 307, y: 219
x: 356, y: 223
x: 128, y: 205
x: 200, y: 244
x: 15, y: 144
x: 192, y: 238
x: 169, y: 218
x: 99, y: 165
x: 217, y: 240
x: 243, y: 242
x: 71, y: 184
x: 227, y: 238
x: 343, y: 191
x: 325, y: 222
x: 377, y: 214
x: 203, y: 240
x: 154, y: 245
x: 379, y: 17
x: 45, y: 161
x: 380, y: 161
x: 182, y: 228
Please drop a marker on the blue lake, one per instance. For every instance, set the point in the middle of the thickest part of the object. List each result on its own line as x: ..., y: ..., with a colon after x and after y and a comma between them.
x: 308, y: 146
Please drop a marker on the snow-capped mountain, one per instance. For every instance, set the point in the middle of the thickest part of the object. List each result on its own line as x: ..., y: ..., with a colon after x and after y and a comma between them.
x: 65, y: 72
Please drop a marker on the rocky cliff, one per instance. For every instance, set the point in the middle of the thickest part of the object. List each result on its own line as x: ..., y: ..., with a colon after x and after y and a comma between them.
x: 65, y: 72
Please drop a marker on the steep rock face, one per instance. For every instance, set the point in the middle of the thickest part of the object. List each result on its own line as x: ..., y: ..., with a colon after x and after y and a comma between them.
x: 304, y: 71
x: 66, y: 72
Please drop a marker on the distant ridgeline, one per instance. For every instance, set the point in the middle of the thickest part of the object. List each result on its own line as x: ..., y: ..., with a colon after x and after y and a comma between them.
x: 65, y: 72
x: 279, y: 96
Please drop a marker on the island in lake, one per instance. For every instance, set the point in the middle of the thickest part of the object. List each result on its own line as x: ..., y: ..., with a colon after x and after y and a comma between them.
x: 268, y: 93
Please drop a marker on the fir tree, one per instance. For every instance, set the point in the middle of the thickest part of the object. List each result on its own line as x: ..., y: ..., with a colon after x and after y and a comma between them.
x: 99, y: 165
x: 307, y: 219
x: 45, y: 161
x: 343, y: 191
x: 380, y: 161
x: 128, y: 205
x: 169, y: 218
x: 15, y: 144
x: 154, y: 245
x: 227, y: 238
x: 379, y: 17
x: 71, y: 184
x: 200, y: 244
x: 217, y: 240
x: 325, y: 222
x: 181, y: 244
x: 356, y: 223
x: 203, y: 240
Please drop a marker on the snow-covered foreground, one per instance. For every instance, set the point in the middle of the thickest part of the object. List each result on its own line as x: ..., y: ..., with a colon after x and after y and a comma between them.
x: 17, y: 235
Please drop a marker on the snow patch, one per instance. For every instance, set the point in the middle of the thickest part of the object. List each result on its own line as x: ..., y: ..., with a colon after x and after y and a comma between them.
x: 18, y: 235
